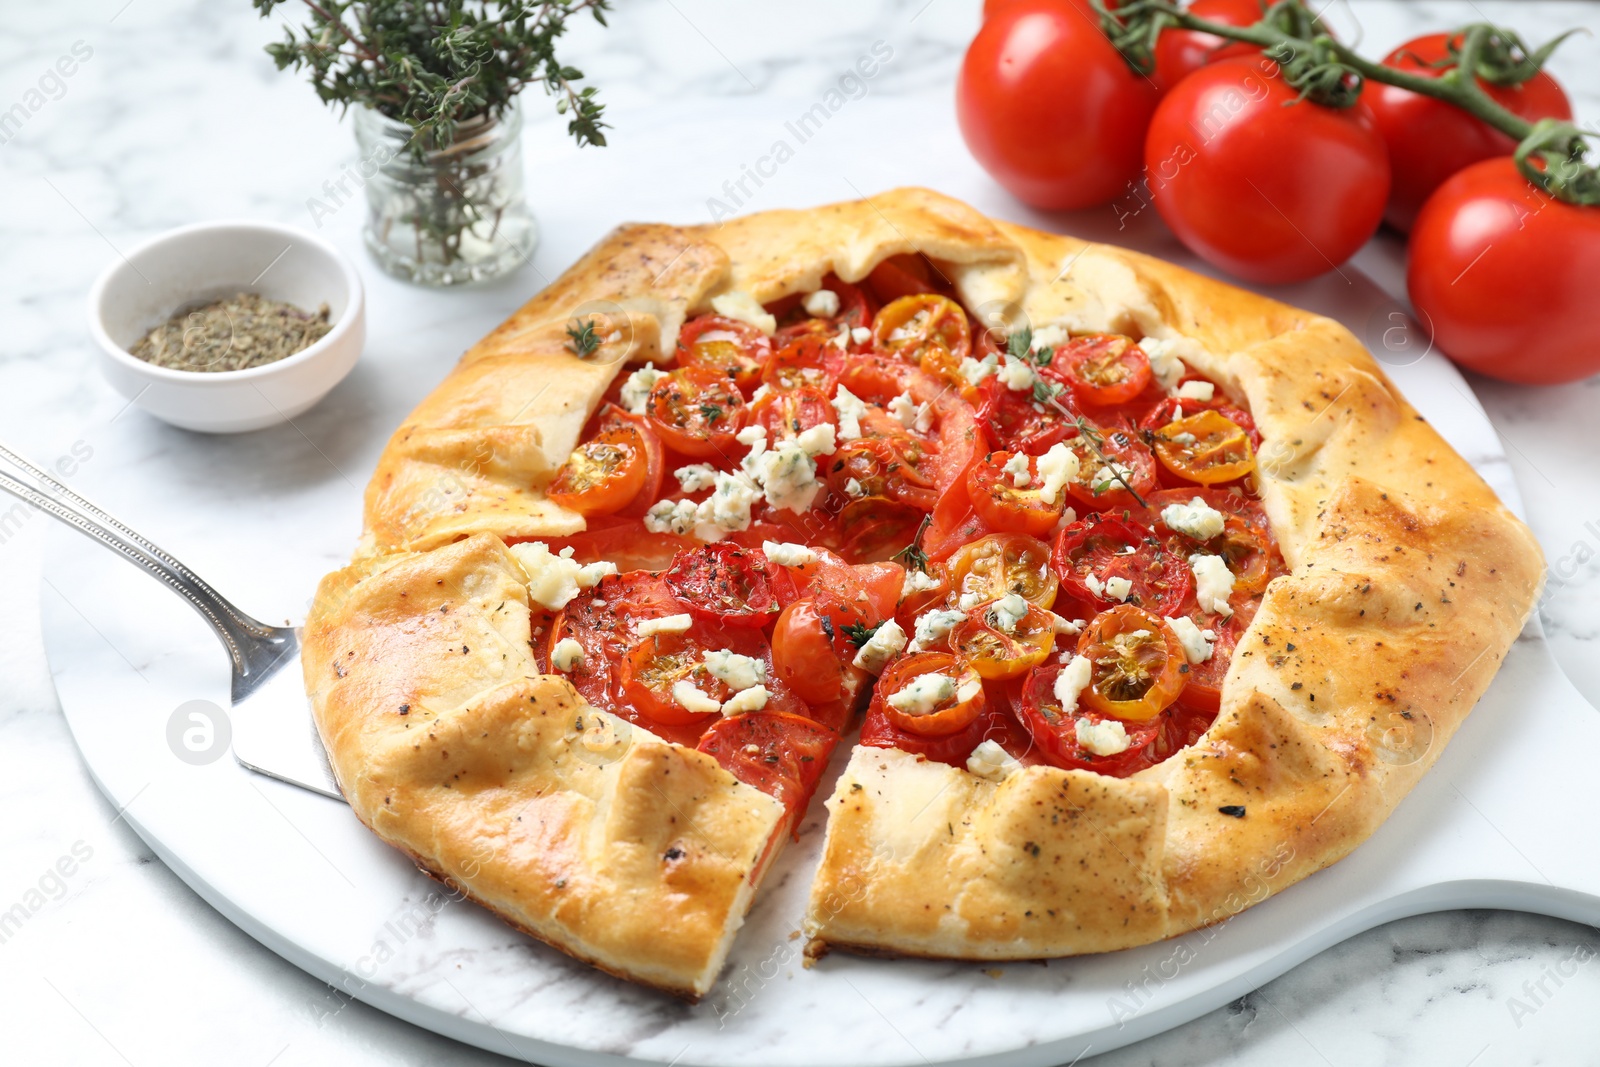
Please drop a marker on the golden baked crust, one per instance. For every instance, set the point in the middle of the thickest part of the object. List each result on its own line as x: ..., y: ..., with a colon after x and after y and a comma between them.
x: 1408, y: 581
x: 631, y: 853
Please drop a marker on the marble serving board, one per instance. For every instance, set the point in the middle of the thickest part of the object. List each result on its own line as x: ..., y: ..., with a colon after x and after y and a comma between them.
x: 133, y: 667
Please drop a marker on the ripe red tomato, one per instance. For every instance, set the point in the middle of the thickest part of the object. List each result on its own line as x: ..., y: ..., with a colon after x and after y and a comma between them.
x: 1050, y: 109
x: 1501, y: 273
x: 1180, y: 53
x: 1266, y: 188
x: 1429, y: 140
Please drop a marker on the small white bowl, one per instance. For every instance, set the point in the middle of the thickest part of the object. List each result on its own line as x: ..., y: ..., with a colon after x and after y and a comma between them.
x: 195, y: 264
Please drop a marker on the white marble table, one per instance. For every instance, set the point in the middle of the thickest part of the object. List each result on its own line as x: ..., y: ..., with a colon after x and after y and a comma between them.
x: 177, y: 116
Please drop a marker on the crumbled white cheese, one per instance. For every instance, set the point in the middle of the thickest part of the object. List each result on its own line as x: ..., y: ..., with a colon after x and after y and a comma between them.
x: 917, y: 582
x: 761, y: 393
x: 1118, y: 588
x: 1072, y: 681
x: 911, y: 414
x: 841, y: 340
x: 752, y: 699
x: 1197, y: 643
x: 850, y: 408
x: 970, y: 600
x: 1052, y: 336
x: 1058, y: 468
x: 1197, y: 519
x: 1165, y: 367
x: 691, y: 699
x: 727, y: 509
x: 853, y: 488
x: 860, y: 335
x: 822, y: 304
x: 788, y: 554
x: 976, y: 370
x: 1107, y: 737
x: 1017, y: 374
x: 924, y: 693
x: 1111, y: 476
x: 818, y: 440
x: 635, y: 393
x: 751, y: 436
x: 1017, y: 467
x: 884, y: 644
x: 1202, y: 391
x: 671, y: 516
x: 745, y: 308
x: 1213, y: 583
x: 553, y: 580
x: 786, y: 473
x: 666, y: 624
x: 934, y: 626
x: 734, y: 670
x: 991, y: 761
x: 696, y: 476
x: 1008, y: 611
x: 1066, y: 626
x: 566, y: 655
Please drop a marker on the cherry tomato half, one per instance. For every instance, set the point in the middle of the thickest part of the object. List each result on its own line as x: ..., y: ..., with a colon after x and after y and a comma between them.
x: 1102, y: 369
x: 655, y: 665
x: 736, y: 349
x: 1055, y: 730
x: 697, y: 411
x: 1137, y: 664
x: 1093, y: 556
x: 1004, y: 487
x: 1113, y: 466
x: 996, y: 652
x: 780, y: 754
x: 723, y: 583
x: 612, y: 468
x: 990, y: 567
x: 951, y: 714
x: 928, y: 331
x: 808, y: 361
x: 1206, y: 447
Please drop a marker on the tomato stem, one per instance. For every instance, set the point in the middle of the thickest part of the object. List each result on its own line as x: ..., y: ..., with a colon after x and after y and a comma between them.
x: 1551, y: 154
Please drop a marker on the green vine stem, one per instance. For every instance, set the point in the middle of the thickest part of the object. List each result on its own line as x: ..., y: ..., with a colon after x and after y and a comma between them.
x: 1551, y: 154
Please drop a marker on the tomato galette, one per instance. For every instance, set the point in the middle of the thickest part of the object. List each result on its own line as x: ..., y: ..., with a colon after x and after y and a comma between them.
x: 1133, y: 596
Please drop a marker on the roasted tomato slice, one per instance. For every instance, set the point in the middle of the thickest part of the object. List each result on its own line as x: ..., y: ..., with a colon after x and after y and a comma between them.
x: 1137, y: 665
x: 887, y: 465
x: 930, y: 694
x: 1013, y: 419
x: 1206, y: 447
x: 809, y: 361
x: 928, y: 331
x: 697, y: 412
x: 602, y: 620
x: 734, y: 349
x: 1094, y: 557
x: 1203, y: 688
x: 724, y: 583
x: 790, y: 412
x: 993, y: 566
x: 1000, y: 646
x: 1055, y: 730
x: 1101, y: 368
x: 875, y: 529
x: 1004, y: 487
x: 656, y: 665
x: 1113, y: 466
x: 781, y: 755
x: 618, y: 464
x: 805, y: 650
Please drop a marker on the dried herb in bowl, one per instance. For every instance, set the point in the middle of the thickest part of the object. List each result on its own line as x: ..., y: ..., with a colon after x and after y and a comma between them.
x: 235, y: 333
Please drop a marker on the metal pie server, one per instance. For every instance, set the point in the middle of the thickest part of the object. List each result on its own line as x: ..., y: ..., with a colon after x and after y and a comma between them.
x: 273, y: 733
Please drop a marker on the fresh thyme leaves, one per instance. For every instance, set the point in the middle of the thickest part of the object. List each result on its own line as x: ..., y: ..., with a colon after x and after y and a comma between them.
x: 710, y: 412
x: 912, y: 555
x: 582, y: 340
x: 1045, y: 391
x: 859, y: 633
x: 1020, y: 343
x: 235, y: 333
x: 1096, y: 441
x: 439, y: 65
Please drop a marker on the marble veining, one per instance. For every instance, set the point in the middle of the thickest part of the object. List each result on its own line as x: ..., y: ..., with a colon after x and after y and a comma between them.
x: 177, y: 116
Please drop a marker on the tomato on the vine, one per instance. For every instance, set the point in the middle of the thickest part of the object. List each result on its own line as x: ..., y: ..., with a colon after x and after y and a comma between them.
x: 1256, y: 181
x: 1050, y: 109
x: 1429, y: 140
x: 1501, y: 273
x: 1181, y: 52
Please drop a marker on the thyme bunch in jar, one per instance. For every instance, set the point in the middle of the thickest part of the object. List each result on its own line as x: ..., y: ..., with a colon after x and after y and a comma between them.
x: 434, y: 85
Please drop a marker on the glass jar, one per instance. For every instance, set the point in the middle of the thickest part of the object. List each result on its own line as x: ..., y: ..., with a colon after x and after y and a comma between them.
x: 455, y: 215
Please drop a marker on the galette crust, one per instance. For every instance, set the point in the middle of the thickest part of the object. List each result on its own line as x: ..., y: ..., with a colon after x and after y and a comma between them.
x: 1408, y: 582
